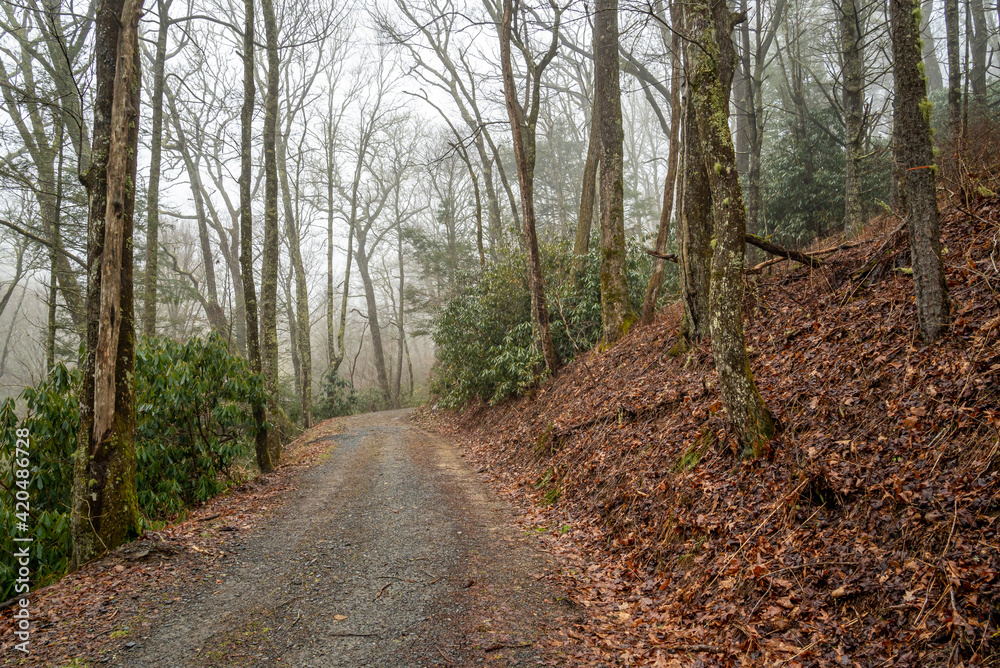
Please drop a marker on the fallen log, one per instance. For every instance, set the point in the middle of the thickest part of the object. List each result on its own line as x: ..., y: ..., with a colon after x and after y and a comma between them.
x: 774, y: 249
x: 809, y: 259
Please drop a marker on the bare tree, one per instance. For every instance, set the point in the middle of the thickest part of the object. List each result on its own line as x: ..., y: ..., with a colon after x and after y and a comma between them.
x: 523, y: 120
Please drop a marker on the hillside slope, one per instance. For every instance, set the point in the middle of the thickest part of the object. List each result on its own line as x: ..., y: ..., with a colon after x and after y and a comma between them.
x: 868, y: 533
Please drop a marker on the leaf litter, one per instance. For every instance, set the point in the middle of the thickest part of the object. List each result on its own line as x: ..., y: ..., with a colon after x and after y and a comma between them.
x: 866, y: 535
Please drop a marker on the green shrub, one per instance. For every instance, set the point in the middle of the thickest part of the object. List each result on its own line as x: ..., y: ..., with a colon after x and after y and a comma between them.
x: 194, y: 425
x: 483, y: 337
x: 51, y: 424
x: 194, y: 421
x: 337, y: 398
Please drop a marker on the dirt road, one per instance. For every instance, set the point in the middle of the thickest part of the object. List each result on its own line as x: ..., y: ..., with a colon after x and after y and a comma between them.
x: 389, y: 553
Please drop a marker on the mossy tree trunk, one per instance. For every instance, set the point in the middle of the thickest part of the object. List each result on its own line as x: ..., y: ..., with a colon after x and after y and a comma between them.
x: 269, y: 263
x: 104, y: 510
x: 911, y: 128
x: 851, y: 36
x: 246, y: 231
x: 694, y: 232
x: 711, y: 71
x: 616, y: 314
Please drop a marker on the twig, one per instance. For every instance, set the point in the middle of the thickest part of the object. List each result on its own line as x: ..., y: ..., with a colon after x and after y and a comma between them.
x: 714, y: 649
x: 974, y: 215
x: 384, y: 587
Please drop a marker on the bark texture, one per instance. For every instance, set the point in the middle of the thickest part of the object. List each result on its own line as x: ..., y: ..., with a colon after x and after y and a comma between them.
x: 269, y: 265
x: 104, y: 507
x: 616, y: 314
x: 712, y: 62
x: 911, y: 121
x: 694, y: 232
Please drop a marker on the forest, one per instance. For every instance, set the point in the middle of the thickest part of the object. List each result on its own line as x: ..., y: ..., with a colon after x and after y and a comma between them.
x: 222, y: 223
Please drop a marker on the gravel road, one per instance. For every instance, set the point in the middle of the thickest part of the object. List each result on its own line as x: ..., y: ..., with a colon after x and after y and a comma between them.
x: 389, y: 553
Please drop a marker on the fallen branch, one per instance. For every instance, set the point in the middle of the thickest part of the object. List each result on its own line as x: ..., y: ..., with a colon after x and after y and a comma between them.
x: 670, y: 257
x: 773, y: 249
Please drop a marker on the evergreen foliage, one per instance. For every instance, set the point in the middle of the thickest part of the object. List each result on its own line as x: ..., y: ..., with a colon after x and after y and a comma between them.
x: 803, y: 180
x: 194, y: 428
x: 483, y: 337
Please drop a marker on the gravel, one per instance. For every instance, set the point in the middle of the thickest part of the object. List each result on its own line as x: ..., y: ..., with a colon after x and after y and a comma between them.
x: 389, y: 553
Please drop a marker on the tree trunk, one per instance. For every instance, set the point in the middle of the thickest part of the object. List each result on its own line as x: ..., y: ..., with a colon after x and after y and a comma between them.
x: 666, y: 212
x: 978, y: 42
x: 105, y: 506
x: 616, y: 314
x: 155, y: 161
x: 360, y: 253
x: 711, y: 69
x: 303, y: 340
x: 585, y: 219
x: 695, y: 231
x: 246, y: 234
x: 854, y: 82
x: 954, y: 68
x: 911, y: 120
x: 269, y: 265
x: 400, y: 330
x: 523, y: 133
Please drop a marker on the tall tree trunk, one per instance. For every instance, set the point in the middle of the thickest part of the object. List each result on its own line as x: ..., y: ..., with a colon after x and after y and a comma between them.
x: 585, y: 219
x: 292, y: 329
x: 911, y: 120
x: 269, y: 267
x: 978, y: 42
x: 616, y: 313
x: 155, y: 162
x: 523, y: 133
x: 50, y: 334
x: 931, y: 64
x: 713, y: 58
x: 361, y: 255
x: 854, y: 82
x: 401, y: 332
x: 666, y: 212
x: 105, y: 506
x: 303, y: 340
x: 263, y: 453
x: 954, y: 68
x: 695, y: 231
